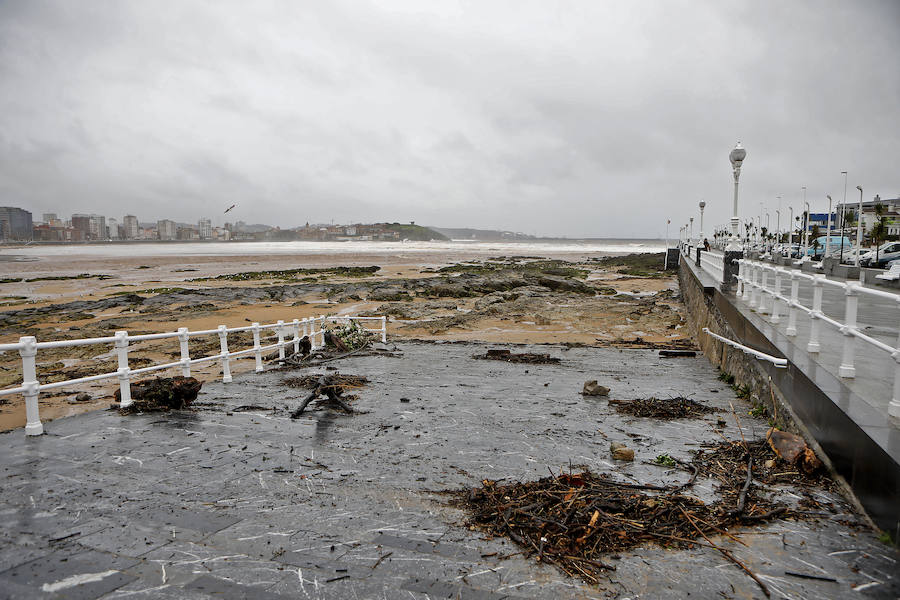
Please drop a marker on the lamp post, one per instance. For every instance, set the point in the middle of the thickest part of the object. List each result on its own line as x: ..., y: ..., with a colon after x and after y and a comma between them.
x: 843, y: 212
x: 778, y: 222
x: 778, y: 225
x: 859, y: 226
x: 827, y: 229
x: 805, y: 225
x: 737, y: 156
x: 702, y: 206
x: 691, y: 234
x: 791, y: 231
x: 766, y: 239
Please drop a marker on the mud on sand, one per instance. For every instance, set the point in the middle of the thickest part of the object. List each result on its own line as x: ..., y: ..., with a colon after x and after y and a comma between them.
x: 615, y: 301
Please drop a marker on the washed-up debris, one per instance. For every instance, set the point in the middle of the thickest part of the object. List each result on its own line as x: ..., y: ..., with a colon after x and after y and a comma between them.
x: 793, y: 450
x: 592, y: 388
x: 621, y: 451
x: 677, y: 353
x: 331, y: 387
x: 573, y: 520
x: 525, y: 357
x: 660, y: 408
x: 160, y: 394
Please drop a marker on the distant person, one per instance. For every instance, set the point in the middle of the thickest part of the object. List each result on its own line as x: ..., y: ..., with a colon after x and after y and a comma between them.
x: 706, y: 244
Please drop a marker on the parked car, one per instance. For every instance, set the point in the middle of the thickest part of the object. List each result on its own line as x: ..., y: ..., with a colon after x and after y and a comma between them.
x: 850, y: 255
x: 884, y: 254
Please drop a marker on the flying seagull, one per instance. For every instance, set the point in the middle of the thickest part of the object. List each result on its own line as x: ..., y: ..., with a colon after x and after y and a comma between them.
x: 230, y: 207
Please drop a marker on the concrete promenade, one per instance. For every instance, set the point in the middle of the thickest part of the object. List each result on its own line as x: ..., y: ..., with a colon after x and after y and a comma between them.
x: 235, y: 500
x: 848, y: 417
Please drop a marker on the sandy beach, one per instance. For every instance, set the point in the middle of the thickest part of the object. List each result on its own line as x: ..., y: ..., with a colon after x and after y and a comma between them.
x: 567, y: 296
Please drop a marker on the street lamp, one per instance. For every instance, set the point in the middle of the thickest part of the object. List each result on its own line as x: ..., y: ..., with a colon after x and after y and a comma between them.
x: 843, y: 212
x: 778, y: 225
x: 702, y: 206
x: 691, y: 235
x: 859, y: 227
x: 737, y: 156
x: 791, y: 230
x: 828, y: 229
x: 805, y: 225
x: 778, y: 222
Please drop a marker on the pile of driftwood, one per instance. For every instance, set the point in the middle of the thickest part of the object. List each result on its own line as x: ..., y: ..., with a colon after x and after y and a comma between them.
x: 160, y: 394
x: 330, y: 387
x: 573, y: 520
x: 662, y: 408
x: 525, y: 357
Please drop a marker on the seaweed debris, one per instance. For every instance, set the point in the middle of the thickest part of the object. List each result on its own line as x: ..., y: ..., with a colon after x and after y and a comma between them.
x: 525, y: 357
x: 658, y: 408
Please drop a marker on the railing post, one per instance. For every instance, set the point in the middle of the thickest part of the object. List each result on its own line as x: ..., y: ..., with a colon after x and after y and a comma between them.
x: 847, y: 369
x: 740, y: 276
x: 257, y: 351
x: 296, y: 336
x: 792, y: 310
x: 223, y: 345
x: 815, y: 316
x: 384, y: 329
x: 775, y: 296
x: 28, y: 352
x: 894, y: 404
x: 280, y: 330
x: 124, y: 371
x: 322, y: 329
x: 311, y: 321
x: 185, y: 351
x: 754, y: 287
x: 763, y: 289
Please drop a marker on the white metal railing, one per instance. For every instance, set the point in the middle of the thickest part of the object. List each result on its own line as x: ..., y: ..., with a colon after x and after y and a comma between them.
x: 764, y: 294
x: 713, y: 263
x: 28, y: 348
x: 778, y: 362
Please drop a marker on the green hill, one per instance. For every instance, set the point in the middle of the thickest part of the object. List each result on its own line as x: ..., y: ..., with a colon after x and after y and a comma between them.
x: 415, y: 232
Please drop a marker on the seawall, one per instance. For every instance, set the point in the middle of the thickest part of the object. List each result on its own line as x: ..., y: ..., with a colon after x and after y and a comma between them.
x: 803, y: 397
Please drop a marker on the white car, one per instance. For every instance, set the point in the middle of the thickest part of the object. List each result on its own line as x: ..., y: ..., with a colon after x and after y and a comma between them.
x: 885, y: 253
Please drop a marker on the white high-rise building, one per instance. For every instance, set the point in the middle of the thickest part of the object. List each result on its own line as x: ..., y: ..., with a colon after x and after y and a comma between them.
x: 166, y: 229
x: 113, y: 226
x: 205, y: 227
x: 131, y: 226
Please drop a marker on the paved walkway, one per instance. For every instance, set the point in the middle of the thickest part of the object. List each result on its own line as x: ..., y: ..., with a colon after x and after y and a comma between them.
x: 221, y: 502
x: 877, y: 317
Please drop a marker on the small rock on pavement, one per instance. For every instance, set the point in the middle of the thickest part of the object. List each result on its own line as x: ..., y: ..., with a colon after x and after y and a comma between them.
x: 80, y: 397
x: 621, y: 452
x: 592, y: 388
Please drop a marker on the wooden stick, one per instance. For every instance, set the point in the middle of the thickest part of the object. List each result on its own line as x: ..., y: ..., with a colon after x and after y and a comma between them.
x: 742, y: 499
x: 728, y: 555
x: 740, y: 429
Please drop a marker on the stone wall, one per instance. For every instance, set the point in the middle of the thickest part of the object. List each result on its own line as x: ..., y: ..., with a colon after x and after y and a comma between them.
x: 750, y: 380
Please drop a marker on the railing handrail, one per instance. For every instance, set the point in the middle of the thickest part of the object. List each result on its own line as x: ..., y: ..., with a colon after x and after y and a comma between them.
x: 756, y: 292
x: 28, y: 348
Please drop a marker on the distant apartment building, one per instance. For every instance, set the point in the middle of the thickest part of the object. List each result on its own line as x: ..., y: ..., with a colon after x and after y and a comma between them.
x: 93, y: 227
x: 131, y: 227
x: 83, y: 224
x: 15, y: 224
x: 166, y: 230
x: 48, y: 217
x: 188, y: 233
x: 98, y: 227
x: 204, y: 227
x: 112, y: 227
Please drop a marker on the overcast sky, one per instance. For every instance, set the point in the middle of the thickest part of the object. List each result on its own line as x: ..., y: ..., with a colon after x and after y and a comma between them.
x: 592, y: 118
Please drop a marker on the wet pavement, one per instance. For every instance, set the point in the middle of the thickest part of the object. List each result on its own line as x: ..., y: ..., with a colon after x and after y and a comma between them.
x: 214, y: 503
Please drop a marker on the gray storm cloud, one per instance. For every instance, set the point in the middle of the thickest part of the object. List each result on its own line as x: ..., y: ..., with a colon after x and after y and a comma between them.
x: 568, y: 118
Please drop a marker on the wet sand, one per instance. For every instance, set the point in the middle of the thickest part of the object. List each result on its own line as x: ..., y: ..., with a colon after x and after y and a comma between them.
x: 644, y: 314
